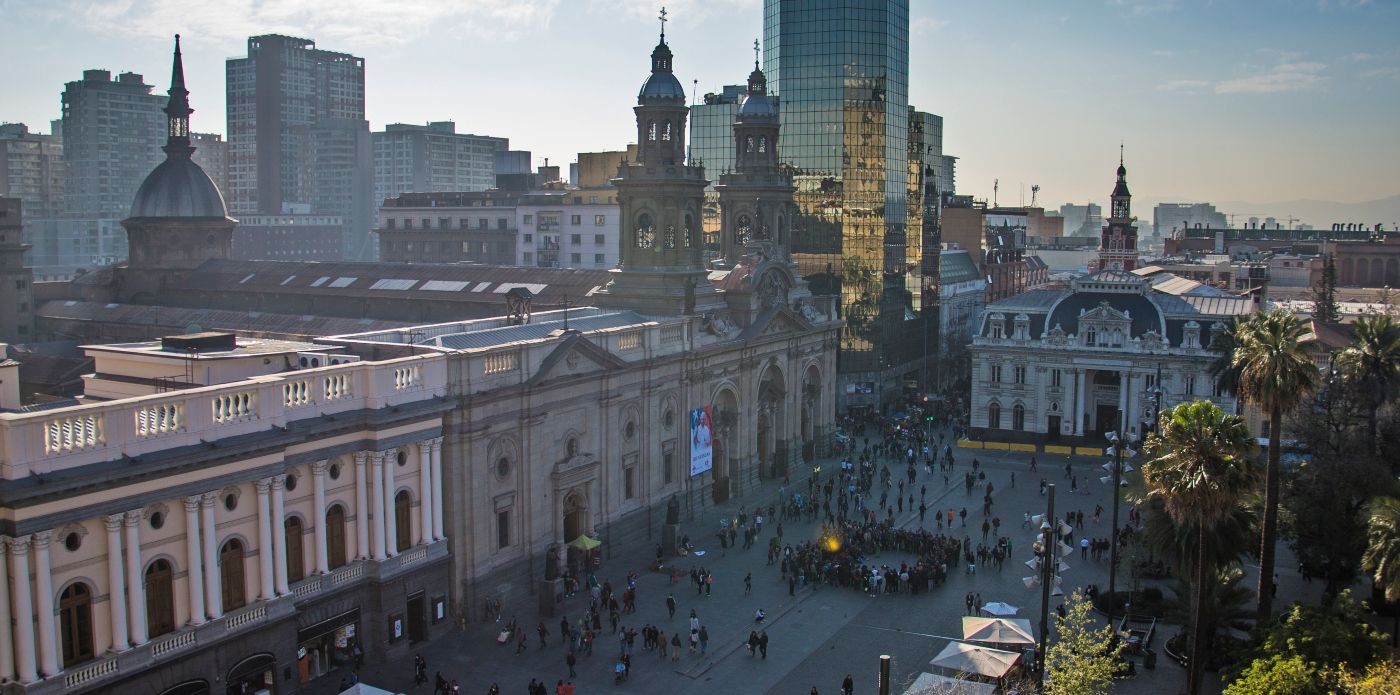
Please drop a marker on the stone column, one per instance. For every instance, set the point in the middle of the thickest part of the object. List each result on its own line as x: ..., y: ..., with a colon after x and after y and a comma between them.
x: 1081, y: 385
x: 279, y: 536
x: 43, y: 592
x: 116, y: 589
x: 425, y: 495
x: 377, y: 475
x: 194, y: 575
x: 361, y: 508
x: 23, y: 611
x: 435, y: 482
x: 265, y: 551
x: 7, y: 642
x: 135, y: 587
x: 318, y: 482
x: 390, y: 524
x: 213, y: 598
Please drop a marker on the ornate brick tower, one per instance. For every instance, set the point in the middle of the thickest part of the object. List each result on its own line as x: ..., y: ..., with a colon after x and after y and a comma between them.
x: 661, y: 197
x: 1118, y: 245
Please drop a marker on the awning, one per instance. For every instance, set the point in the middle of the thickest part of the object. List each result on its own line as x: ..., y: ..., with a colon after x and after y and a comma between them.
x: 970, y: 658
x: 998, y: 630
x: 999, y: 608
x: 931, y: 684
x: 584, y: 543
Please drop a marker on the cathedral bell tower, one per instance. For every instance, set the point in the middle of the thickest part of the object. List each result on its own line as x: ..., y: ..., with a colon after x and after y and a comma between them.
x: 1118, y: 244
x: 661, y: 271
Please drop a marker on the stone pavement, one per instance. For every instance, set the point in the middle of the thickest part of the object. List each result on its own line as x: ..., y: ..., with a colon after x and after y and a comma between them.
x: 816, y: 636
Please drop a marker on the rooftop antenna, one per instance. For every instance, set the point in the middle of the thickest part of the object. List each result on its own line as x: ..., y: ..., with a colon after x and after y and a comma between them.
x: 996, y: 186
x: 566, y: 311
x: 1035, y: 189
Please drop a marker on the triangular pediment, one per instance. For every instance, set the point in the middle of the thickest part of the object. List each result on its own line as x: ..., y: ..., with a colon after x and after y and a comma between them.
x: 777, y: 321
x: 575, y: 356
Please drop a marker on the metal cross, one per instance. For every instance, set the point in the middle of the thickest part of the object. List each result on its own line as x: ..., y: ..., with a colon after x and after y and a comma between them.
x: 663, y: 22
x: 756, y: 49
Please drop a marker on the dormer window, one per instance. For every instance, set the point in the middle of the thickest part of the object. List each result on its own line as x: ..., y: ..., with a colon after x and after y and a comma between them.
x: 1023, y: 327
x: 1191, y: 336
x: 1090, y: 337
x: 996, y: 326
x: 1117, y: 338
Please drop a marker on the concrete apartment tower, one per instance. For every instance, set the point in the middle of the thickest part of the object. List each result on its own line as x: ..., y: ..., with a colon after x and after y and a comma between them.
x: 16, y: 281
x: 178, y: 219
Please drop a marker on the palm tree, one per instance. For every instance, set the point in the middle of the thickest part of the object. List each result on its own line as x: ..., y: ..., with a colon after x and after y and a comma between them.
x: 1383, y: 552
x: 1276, y: 374
x: 1372, y: 362
x: 1223, y: 367
x: 1224, y: 604
x: 1202, y: 464
x: 1227, y: 540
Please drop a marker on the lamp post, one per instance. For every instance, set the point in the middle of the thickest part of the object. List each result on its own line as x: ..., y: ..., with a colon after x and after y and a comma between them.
x: 1120, y: 444
x: 1048, y: 561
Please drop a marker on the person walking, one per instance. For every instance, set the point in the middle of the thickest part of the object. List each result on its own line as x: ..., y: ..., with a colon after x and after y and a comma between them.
x: 704, y: 640
x: 848, y: 686
x: 962, y: 514
x: 671, y: 606
x: 748, y: 582
x: 420, y: 670
x: 571, y: 661
x: 1069, y: 470
x: 521, y: 641
x: 675, y: 647
x: 763, y: 644
x: 1032, y: 463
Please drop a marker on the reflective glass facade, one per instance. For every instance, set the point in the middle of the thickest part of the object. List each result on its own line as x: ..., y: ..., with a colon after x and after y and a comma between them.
x: 840, y: 68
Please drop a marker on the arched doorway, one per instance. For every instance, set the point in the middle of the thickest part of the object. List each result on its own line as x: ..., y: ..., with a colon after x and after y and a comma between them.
x: 335, y: 536
x: 765, y: 443
x: 160, y: 598
x: 725, y: 408
x: 231, y: 575
x: 251, y: 675
x: 75, y: 624
x: 296, y: 564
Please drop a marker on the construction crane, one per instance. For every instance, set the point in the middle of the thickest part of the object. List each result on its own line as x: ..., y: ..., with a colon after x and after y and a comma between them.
x: 1035, y: 189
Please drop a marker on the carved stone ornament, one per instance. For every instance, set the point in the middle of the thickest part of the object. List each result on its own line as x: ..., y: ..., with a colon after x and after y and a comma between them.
x: 809, y: 312
x: 717, y: 323
x: 771, y: 290
x: 1151, y: 341
x: 1057, y: 336
x: 571, y: 360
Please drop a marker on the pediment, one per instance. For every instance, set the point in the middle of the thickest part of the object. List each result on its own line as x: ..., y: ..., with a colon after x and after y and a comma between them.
x: 777, y: 321
x: 1105, y: 312
x: 575, y: 356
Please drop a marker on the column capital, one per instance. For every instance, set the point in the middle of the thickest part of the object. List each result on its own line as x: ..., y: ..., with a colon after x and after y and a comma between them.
x: 207, y: 499
x: 132, y: 517
x: 113, y: 522
x: 192, y: 502
x: 319, y: 467
x: 279, y: 482
x: 424, y: 445
x: 437, y: 443
x: 262, y: 485
x: 377, y: 457
x: 41, y: 539
x: 359, y: 457
x: 19, y: 545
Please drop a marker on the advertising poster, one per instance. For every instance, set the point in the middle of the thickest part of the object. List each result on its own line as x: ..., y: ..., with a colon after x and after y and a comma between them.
x: 701, y: 452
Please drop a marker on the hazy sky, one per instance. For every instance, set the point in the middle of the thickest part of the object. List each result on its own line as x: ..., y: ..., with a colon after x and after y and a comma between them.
x: 1226, y: 100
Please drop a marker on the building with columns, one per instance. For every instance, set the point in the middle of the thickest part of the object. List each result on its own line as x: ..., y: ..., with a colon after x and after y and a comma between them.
x: 1067, y: 365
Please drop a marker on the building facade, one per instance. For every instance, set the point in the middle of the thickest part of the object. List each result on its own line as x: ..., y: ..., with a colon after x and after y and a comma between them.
x: 31, y: 169
x: 433, y: 158
x: 16, y: 278
x: 841, y: 69
x: 211, y: 154
x: 112, y: 133
x: 297, y: 134
x: 290, y: 237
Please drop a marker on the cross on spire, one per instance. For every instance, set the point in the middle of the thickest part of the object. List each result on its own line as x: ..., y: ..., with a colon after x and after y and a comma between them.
x: 663, y: 24
x: 1120, y: 153
x: 756, y: 49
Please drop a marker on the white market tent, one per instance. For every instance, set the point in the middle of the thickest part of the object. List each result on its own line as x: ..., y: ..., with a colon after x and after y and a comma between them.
x: 998, y: 630
x: 930, y: 684
x: 999, y: 609
x: 363, y: 689
x: 971, y: 658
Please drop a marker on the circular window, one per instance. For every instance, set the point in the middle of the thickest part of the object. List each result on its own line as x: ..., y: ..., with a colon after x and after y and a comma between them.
x: 72, y: 542
x: 503, y: 467
x: 157, y: 520
x: 291, y: 482
x: 630, y: 431
x: 230, y: 502
x: 668, y: 419
x: 335, y: 471
x: 402, y: 458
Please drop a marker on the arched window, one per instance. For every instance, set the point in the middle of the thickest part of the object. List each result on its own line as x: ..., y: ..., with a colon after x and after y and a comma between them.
x: 666, y: 131
x: 75, y: 624
x: 1018, y: 417
x: 669, y: 241
x: 335, y: 536
x: 762, y: 144
x: 688, y: 232
x: 651, y: 131
x: 231, y: 575
x: 296, y: 565
x: 160, y: 598
x: 743, y: 230
x: 994, y: 416
x: 646, y: 232
x: 403, y: 520
x: 748, y: 144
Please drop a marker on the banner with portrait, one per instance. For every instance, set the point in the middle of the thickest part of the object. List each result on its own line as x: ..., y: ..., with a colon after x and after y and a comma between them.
x: 701, y: 442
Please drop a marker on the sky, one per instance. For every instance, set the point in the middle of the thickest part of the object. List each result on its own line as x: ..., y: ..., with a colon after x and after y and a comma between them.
x: 1264, y: 100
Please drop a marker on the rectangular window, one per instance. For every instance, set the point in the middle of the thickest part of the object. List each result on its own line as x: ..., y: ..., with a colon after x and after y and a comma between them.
x: 996, y: 373
x: 629, y: 481
x: 466, y: 247
x: 600, y: 220
x: 1190, y: 386
x: 598, y: 258
x: 444, y: 223
x: 599, y: 240
x: 427, y: 223
x: 483, y: 223
x: 484, y: 247
x: 1055, y: 377
x: 529, y: 219
x: 527, y: 257
x: 593, y: 200
x: 1149, y: 380
x: 575, y: 239
x: 576, y: 219
x: 503, y: 528
x: 463, y: 223
x: 389, y: 223
x: 575, y: 258
x: 407, y: 223
x: 1020, y: 373
x: 668, y: 463
x: 502, y: 223
x: 529, y: 238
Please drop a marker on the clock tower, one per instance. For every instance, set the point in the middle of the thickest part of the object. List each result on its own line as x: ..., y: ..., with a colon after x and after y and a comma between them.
x: 1118, y: 244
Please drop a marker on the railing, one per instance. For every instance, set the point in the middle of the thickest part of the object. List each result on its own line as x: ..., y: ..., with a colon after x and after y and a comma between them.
x: 179, y: 641
x: 251, y: 616
x: 499, y: 362
x: 348, y: 574
x: 671, y: 333
x: 629, y: 341
x: 413, y: 556
x: 307, y: 589
x: 93, y: 672
x: 46, y: 441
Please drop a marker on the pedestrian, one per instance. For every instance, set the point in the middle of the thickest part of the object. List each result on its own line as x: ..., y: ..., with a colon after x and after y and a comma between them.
x: 520, y: 641
x: 848, y: 686
x: 439, y: 684
x: 763, y: 644
x: 671, y: 606
x: 420, y: 670
x: 986, y: 527
x: 543, y: 632
x: 660, y: 639
x: 962, y: 514
x: 748, y: 582
x: 694, y: 641
x: 571, y: 660
x: 676, y: 647
x: 704, y: 640
x: 1013, y: 480
x: 1069, y: 470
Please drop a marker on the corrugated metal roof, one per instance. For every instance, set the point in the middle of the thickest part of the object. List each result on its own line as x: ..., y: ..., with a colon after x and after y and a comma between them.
x: 1195, y: 306
x: 536, y: 331
x: 211, y: 319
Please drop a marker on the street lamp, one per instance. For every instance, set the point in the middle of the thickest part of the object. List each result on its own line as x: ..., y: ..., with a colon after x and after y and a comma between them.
x: 1048, y: 565
x: 1120, y: 448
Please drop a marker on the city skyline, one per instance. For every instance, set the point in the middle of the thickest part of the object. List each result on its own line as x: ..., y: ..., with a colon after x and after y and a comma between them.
x: 1198, y: 94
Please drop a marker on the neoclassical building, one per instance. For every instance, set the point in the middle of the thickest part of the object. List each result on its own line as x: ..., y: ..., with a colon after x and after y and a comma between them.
x: 1068, y: 364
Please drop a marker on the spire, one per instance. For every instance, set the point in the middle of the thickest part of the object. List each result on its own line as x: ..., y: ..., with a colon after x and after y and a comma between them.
x: 661, y: 56
x: 177, y: 110
x: 757, y: 47
x: 663, y: 25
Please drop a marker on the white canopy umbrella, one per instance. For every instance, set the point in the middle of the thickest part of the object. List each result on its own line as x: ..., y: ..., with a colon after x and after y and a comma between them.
x: 930, y: 684
x: 971, y: 658
x: 998, y: 630
x: 364, y: 689
x: 999, y: 608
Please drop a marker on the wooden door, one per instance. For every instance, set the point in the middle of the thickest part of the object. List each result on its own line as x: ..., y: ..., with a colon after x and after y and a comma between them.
x: 335, y: 536
x: 403, y: 521
x: 296, y: 564
x: 75, y: 624
x: 231, y: 575
x: 160, y: 598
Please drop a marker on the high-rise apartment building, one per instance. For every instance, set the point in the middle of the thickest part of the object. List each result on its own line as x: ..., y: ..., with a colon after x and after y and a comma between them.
x: 211, y: 154
x: 112, y: 133
x: 16, y: 279
x: 297, y: 134
x: 432, y: 158
x: 1167, y: 217
x: 31, y: 169
x: 840, y: 68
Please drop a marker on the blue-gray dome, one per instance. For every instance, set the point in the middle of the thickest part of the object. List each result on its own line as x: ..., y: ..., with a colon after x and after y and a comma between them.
x: 662, y: 85
x: 757, y: 105
x: 178, y: 188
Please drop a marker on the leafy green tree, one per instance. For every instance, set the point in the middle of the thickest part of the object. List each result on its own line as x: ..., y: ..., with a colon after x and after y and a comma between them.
x: 1372, y: 363
x: 1327, y: 637
x: 1382, y: 678
x: 1277, y: 374
x: 1225, y: 603
x: 1201, y: 464
x: 1325, y: 293
x: 1324, y: 514
x: 1383, y: 552
x: 1176, y: 542
x: 1279, y: 675
x: 1081, y: 661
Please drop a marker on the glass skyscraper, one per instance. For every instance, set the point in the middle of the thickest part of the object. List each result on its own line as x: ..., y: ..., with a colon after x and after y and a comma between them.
x: 840, y: 68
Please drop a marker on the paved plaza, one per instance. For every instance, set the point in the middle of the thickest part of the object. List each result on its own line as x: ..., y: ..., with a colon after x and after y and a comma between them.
x: 817, y: 636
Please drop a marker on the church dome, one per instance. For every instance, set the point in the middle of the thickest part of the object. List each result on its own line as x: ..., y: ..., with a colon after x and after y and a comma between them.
x: 178, y: 188
x: 757, y: 105
x: 662, y: 85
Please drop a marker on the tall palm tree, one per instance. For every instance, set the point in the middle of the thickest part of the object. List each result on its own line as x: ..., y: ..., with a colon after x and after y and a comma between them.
x: 1232, y: 537
x: 1276, y: 373
x: 1383, y: 552
x: 1223, y: 368
x: 1372, y: 362
x: 1202, y: 463
x: 1226, y: 603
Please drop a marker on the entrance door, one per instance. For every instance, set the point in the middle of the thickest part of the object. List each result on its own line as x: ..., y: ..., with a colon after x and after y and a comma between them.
x: 417, y: 618
x: 1105, y: 418
x: 719, y: 488
x: 1052, y: 428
